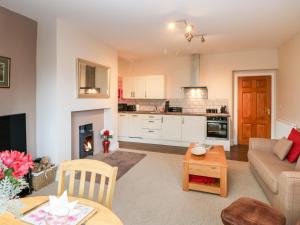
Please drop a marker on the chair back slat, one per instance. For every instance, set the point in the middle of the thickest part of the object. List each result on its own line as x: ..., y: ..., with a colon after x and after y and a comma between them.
x: 101, y: 188
x: 82, y: 182
x: 94, y: 167
x: 111, y: 188
x: 92, y: 185
x: 71, y: 182
x: 61, y: 182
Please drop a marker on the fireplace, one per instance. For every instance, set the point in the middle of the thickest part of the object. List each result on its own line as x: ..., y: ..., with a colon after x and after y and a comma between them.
x: 13, y: 137
x: 86, y: 140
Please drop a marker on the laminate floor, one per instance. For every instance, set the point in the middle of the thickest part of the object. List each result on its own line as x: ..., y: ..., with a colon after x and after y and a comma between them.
x: 237, y: 152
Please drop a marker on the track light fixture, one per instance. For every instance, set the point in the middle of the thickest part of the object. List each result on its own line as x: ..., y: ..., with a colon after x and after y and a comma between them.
x: 189, y: 30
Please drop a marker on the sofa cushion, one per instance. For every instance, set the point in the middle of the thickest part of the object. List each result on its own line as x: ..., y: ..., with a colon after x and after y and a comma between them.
x: 282, y: 148
x: 294, y: 153
x: 269, y: 167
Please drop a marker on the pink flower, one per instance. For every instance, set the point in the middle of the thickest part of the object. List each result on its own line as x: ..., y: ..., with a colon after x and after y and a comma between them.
x: 19, y: 162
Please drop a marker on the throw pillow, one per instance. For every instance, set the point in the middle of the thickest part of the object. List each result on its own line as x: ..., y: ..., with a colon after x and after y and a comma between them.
x: 282, y: 148
x: 295, y: 149
x: 298, y: 164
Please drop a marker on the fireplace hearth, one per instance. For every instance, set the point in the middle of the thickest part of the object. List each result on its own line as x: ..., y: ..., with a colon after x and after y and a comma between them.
x: 86, y: 140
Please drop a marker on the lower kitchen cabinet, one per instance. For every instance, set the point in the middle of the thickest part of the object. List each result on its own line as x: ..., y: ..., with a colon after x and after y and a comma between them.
x: 130, y: 125
x: 123, y: 123
x: 176, y: 130
x: 193, y: 129
x: 171, y: 128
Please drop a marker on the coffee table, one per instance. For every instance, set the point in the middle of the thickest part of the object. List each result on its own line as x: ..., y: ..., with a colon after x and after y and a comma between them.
x: 212, y: 164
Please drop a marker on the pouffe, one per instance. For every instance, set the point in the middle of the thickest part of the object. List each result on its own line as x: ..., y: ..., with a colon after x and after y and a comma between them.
x: 247, y: 211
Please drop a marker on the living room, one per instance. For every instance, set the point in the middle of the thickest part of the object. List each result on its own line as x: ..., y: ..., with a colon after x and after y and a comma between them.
x: 171, y: 72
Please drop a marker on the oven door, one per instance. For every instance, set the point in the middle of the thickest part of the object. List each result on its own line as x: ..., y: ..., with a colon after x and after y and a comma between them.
x: 217, y: 129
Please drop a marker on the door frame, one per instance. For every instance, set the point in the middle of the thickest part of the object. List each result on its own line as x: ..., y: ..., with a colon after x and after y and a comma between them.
x: 253, y: 73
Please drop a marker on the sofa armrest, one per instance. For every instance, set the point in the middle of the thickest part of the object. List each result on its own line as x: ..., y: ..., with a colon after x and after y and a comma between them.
x: 263, y: 144
x: 289, y: 195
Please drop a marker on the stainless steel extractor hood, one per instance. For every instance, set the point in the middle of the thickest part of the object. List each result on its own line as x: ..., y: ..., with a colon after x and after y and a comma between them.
x: 195, y: 74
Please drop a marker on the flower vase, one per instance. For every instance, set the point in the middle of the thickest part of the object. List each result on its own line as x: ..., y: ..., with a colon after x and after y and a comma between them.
x: 106, y: 144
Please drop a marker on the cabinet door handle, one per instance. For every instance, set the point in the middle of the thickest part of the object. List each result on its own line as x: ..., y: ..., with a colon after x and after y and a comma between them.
x: 151, y: 121
x: 151, y: 116
x: 135, y: 115
x: 145, y: 94
x: 182, y: 120
x: 162, y: 119
x: 134, y: 94
x: 150, y: 131
x: 122, y: 115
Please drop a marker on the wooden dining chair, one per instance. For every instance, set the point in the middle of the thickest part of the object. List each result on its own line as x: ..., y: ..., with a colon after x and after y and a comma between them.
x: 95, y: 168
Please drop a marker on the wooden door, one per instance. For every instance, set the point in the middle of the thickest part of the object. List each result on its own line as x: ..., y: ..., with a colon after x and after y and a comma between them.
x: 254, y: 108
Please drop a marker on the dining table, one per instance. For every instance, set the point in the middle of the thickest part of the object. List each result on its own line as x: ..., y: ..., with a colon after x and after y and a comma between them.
x: 101, y: 215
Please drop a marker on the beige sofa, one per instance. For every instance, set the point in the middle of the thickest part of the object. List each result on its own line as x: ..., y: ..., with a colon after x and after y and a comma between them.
x: 279, y: 179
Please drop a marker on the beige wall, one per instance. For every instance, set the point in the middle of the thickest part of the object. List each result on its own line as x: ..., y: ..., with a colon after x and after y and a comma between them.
x: 215, y: 70
x: 18, y: 42
x: 288, y: 81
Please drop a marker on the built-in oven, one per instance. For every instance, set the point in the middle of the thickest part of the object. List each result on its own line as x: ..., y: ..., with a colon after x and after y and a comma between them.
x: 217, y: 127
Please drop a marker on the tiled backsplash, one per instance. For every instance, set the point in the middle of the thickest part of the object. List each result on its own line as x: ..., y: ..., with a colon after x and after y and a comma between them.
x: 191, y: 104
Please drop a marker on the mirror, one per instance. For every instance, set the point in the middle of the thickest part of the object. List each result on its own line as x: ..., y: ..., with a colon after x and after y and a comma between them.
x: 93, y: 79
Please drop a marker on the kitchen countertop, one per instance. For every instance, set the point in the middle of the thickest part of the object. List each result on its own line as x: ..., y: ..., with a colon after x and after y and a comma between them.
x: 177, y: 113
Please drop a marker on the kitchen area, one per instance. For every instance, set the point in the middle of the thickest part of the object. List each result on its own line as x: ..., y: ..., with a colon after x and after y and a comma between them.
x: 147, y: 115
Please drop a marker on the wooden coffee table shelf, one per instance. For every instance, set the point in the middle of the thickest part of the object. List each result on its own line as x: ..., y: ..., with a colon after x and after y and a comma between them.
x: 212, y: 164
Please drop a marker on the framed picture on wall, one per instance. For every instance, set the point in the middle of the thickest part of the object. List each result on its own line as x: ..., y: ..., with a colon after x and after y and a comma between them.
x: 4, y: 72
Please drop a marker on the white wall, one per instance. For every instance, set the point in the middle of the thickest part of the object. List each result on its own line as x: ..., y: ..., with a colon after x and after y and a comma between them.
x: 71, y: 43
x: 288, y: 83
x: 46, y: 94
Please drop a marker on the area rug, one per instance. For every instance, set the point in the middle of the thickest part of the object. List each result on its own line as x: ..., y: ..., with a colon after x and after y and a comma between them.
x: 121, y: 159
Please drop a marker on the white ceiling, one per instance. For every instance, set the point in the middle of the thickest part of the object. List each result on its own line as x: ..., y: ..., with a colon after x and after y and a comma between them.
x: 137, y: 28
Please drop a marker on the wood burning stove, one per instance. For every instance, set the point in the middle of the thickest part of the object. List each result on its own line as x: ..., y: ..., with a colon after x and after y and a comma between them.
x: 86, y: 140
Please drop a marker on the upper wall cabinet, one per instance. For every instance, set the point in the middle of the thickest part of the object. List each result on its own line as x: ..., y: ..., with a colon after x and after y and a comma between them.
x: 144, y: 87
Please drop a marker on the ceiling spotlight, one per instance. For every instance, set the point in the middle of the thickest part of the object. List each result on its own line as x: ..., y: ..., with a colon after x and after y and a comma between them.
x: 189, y: 36
x: 202, y: 39
x: 171, y: 26
x: 189, y: 28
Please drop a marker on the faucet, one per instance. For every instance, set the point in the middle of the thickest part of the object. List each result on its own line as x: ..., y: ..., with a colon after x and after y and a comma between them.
x: 155, y: 108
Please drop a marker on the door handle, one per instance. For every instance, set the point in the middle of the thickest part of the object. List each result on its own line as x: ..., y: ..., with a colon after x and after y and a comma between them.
x: 269, y: 112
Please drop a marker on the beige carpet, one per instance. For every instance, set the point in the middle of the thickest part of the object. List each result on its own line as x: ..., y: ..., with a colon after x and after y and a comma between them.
x: 151, y: 193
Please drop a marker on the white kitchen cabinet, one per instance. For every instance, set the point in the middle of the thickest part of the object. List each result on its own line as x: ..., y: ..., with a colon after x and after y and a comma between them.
x: 155, y: 87
x: 193, y: 129
x: 135, y: 126
x: 144, y: 87
x: 171, y: 128
x: 139, y: 91
x: 123, y: 122
x: 130, y: 125
x: 128, y: 87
